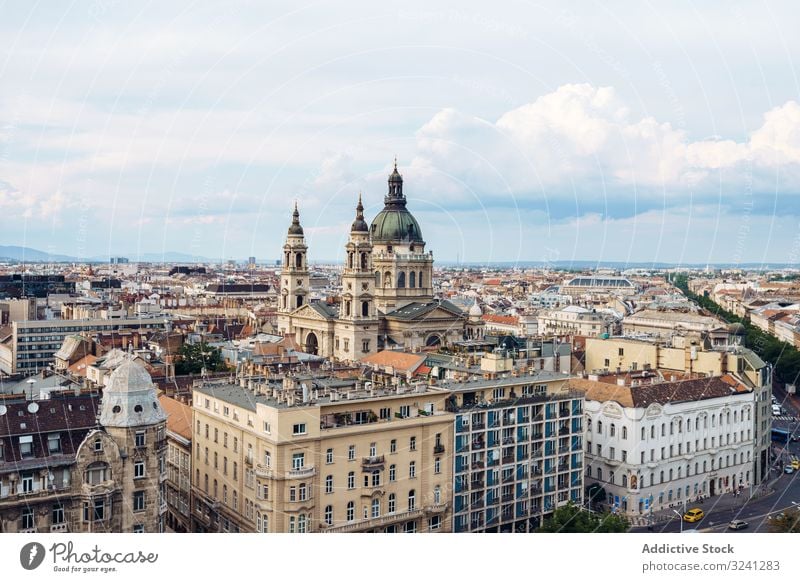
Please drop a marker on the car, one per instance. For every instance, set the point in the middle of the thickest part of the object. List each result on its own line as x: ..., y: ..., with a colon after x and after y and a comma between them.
x: 795, y: 464
x: 788, y: 469
x: 693, y: 515
x: 738, y: 524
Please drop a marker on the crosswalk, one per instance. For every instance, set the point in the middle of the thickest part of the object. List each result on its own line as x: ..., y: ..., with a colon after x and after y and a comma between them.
x: 785, y: 417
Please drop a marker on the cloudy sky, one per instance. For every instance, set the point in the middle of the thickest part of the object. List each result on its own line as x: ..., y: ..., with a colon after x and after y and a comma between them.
x: 531, y: 131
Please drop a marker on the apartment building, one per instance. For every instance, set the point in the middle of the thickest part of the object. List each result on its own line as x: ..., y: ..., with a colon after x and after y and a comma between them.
x: 694, y: 355
x: 32, y: 345
x: 74, y: 463
x: 303, y: 454
x: 178, y: 485
x: 518, y: 451
x: 655, y: 443
x: 574, y: 320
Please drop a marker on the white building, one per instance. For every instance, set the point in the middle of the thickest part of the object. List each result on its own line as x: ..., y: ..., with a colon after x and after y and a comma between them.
x: 653, y: 444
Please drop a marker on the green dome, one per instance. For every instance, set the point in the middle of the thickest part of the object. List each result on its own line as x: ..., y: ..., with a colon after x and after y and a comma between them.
x: 395, y: 223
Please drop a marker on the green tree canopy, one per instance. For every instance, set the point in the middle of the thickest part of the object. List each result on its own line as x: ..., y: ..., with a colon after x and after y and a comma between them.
x: 192, y: 358
x: 788, y: 522
x: 573, y: 519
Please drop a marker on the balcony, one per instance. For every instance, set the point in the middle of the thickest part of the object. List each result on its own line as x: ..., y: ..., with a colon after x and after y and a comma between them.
x: 508, y: 478
x: 478, y: 445
x: 374, y: 522
x: 507, y: 460
x: 263, y: 471
x: 372, y: 463
x: 478, y: 426
x: 438, y: 449
x: 477, y: 465
x: 476, y: 504
x: 248, y: 460
x: 436, y: 508
x: 477, y: 484
x: 59, y: 528
x: 301, y: 473
x: 508, y: 440
x: 507, y: 498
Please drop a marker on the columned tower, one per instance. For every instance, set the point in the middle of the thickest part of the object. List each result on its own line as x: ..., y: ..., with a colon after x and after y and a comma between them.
x: 295, y: 278
x: 358, y: 332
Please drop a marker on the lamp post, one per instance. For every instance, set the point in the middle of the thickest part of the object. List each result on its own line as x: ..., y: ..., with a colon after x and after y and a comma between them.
x: 679, y: 517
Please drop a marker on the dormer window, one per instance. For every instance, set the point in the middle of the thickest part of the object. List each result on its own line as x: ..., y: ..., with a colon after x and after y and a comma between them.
x: 54, y: 443
x: 26, y: 446
x: 98, y: 446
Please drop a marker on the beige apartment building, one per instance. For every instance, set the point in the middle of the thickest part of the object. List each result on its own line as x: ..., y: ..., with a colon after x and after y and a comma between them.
x: 308, y: 454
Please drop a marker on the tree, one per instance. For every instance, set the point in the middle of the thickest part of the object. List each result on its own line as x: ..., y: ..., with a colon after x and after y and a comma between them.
x: 574, y: 519
x: 192, y: 358
x: 786, y: 522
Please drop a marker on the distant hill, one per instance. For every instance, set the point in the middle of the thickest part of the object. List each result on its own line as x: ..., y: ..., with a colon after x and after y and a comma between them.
x: 20, y: 254
x: 12, y: 253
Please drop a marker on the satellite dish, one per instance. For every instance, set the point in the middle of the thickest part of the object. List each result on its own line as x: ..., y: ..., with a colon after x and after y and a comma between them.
x: 3, y: 409
x: 33, y: 408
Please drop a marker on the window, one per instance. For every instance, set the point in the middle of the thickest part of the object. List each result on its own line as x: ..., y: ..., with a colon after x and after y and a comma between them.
x: 298, y: 460
x: 412, y: 470
x: 435, y: 522
x: 412, y: 500
x: 376, y: 508
x: 216, y: 435
x: 267, y: 427
x: 302, y: 492
x: 329, y: 484
x: 373, y: 450
x: 437, y: 495
x: 57, y: 516
x: 94, y: 512
x: 393, y: 446
x: 351, y: 511
x: 54, y: 443
x: 28, y: 518
x: 97, y: 473
x: 26, y: 446
x: 351, y: 453
x: 351, y: 480
x: 437, y: 465
x: 613, y: 429
x: 27, y: 482
x: 385, y: 413
x: 225, y: 440
x: 267, y: 459
x: 405, y: 411
x: 138, y: 500
x: 392, y: 503
x: 412, y: 443
x: 624, y: 432
x: 328, y: 515
x: 299, y: 428
x: 262, y: 522
x: 329, y: 456
x: 392, y: 473
x: 138, y: 469
x: 140, y: 438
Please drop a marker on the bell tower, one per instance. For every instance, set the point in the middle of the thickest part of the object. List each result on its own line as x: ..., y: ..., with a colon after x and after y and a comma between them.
x: 295, y: 278
x: 357, y: 332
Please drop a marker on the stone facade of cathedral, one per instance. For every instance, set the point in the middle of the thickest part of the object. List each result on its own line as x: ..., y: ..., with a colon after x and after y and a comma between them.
x: 387, y: 299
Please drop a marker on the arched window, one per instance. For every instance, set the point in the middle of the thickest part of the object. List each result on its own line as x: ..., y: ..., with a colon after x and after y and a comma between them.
x: 392, y: 503
x: 624, y: 480
x: 376, y: 508
x: 286, y: 260
x: 419, y: 282
x: 329, y: 484
x: 364, y: 264
x: 653, y: 432
x: 351, y: 511
x: 328, y: 515
x: 377, y: 278
x: 350, y: 260
x: 347, y: 308
x: 412, y: 279
x: 612, y: 430
x: 437, y: 495
x: 412, y: 500
x: 365, y: 308
x: 599, y: 427
x: 298, y: 260
x: 387, y: 279
x: 302, y: 491
x: 599, y: 474
x: 401, y: 279
x: 262, y: 522
x: 589, y: 425
x: 624, y: 432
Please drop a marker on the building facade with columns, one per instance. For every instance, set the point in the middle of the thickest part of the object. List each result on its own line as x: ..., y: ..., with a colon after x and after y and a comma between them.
x: 387, y: 298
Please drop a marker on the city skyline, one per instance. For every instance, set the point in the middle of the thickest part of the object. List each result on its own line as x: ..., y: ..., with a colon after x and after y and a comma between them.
x: 544, y: 141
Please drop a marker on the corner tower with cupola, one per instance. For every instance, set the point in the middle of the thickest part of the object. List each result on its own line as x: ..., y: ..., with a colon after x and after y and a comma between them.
x: 403, y: 271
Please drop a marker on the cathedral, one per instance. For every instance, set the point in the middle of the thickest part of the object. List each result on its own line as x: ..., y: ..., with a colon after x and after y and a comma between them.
x: 387, y: 299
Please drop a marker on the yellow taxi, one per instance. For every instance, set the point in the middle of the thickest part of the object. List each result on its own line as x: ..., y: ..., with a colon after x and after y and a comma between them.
x: 796, y: 464
x: 694, y: 515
